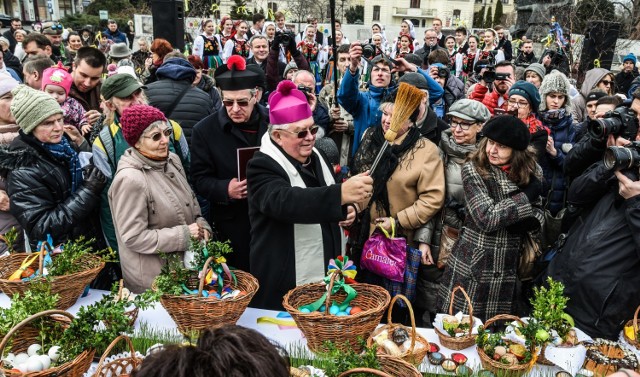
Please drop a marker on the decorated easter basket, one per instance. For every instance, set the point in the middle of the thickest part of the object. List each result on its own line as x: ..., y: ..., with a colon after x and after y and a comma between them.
x: 419, y: 345
x: 68, y: 287
x: 196, y: 313
x: 390, y: 367
x: 131, y: 314
x: 75, y: 368
x: 605, y: 357
x: 321, y: 327
x: 497, y: 367
x: 458, y: 342
x: 633, y: 324
x: 120, y: 367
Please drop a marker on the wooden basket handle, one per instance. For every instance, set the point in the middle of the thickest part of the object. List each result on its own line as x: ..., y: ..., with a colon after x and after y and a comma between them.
x: 411, y: 315
x: 120, y: 287
x: 635, y: 322
x: 466, y: 296
x: 365, y: 370
x: 334, y: 275
x: 204, y: 275
x: 508, y: 317
x: 26, y: 321
x: 113, y: 344
x: 41, y: 258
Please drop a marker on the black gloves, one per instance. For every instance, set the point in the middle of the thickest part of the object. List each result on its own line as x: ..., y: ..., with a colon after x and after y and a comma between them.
x: 292, y: 47
x: 533, y: 190
x: 539, y: 141
x: 277, y: 40
x: 525, y: 225
x: 94, y: 180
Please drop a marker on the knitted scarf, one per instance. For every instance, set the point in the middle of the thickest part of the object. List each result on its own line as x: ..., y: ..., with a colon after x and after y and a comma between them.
x: 535, y: 124
x: 63, y: 152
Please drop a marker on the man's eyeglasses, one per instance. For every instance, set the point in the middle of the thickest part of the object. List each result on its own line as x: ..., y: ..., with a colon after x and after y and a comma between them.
x: 240, y: 102
x: 302, y: 134
x: 517, y: 104
x: 463, y: 125
x: 158, y: 135
x: 606, y: 82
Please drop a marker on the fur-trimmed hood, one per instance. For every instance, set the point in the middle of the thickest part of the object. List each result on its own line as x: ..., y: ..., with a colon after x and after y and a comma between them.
x: 555, y: 82
x: 14, y: 159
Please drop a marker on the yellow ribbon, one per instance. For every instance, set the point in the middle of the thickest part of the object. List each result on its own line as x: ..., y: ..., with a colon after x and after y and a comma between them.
x: 276, y: 321
x: 596, y: 63
x: 186, y: 5
x: 214, y: 7
x: 23, y: 266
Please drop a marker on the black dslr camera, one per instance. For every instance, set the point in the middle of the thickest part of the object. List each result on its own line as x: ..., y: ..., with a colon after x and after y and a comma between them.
x: 619, y: 158
x: 489, y: 75
x: 285, y: 37
x: 369, y: 51
x: 620, y: 122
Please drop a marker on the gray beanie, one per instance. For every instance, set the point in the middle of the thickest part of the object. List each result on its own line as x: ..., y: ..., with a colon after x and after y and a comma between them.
x: 555, y: 82
x: 31, y: 107
x: 415, y: 79
x: 290, y: 66
x: 537, y: 68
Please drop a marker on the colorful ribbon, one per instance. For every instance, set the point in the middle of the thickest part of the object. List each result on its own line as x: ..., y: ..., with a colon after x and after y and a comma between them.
x: 346, y: 271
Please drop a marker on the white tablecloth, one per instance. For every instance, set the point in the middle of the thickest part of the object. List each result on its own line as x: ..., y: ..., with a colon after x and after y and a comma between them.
x: 157, y: 317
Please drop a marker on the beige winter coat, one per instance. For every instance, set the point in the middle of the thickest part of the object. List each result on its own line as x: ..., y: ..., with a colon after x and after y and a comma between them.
x: 152, y: 205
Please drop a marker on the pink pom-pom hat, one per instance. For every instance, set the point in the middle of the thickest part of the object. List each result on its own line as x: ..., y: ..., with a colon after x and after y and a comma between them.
x: 287, y: 104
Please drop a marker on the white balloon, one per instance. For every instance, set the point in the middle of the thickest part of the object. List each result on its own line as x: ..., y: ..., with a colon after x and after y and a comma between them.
x: 33, y: 349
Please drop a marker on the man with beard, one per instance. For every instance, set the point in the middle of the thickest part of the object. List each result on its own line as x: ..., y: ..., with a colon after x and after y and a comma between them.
x: 53, y: 32
x: 87, y: 72
x: 240, y: 123
x: 526, y: 56
x: 497, y: 98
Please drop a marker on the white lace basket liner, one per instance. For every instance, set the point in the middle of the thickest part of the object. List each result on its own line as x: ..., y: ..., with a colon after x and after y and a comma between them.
x: 570, y: 359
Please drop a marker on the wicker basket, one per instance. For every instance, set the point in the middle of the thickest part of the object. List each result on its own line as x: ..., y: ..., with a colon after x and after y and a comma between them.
x: 29, y: 334
x: 412, y: 355
x: 197, y: 313
x: 75, y: 368
x: 68, y: 287
x: 458, y: 342
x: 390, y: 367
x: 121, y: 367
x: 633, y: 322
x: 131, y: 314
x: 320, y: 327
x: 498, y: 368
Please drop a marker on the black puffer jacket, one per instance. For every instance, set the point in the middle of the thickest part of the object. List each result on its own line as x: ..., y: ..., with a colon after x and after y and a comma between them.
x: 39, y: 187
x: 600, y: 260
x: 174, y: 76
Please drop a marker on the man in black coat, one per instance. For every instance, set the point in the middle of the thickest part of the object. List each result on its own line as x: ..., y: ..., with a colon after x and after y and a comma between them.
x: 240, y: 123
x: 15, y: 25
x: 296, y: 207
x: 430, y: 45
x: 175, y: 96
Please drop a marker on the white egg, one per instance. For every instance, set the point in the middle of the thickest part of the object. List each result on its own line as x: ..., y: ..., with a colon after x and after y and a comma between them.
x: 34, y: 364
x: 54, y: 353
x: 10, y: 357
x: 22, y: 367
x: 21, y: 358
x: 46, y: 361
x: 33, y: 349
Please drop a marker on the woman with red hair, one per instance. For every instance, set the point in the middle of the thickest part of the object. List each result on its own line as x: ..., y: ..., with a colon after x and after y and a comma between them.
x: 208, y: 47
x: 159, y: 49
x: 238, y: 43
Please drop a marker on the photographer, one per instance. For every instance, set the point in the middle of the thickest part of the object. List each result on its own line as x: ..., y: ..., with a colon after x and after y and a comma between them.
x: 305, y: 82
x: 502, y: 78
x: 526, y: 56
x: 552, y: 59
x: 603, y: 284
x: 364, y: 106
x: 275, y: 68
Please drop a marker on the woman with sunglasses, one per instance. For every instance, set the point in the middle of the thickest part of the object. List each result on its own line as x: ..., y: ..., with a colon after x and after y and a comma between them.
x: 408, y: 184
x: 596, y: 78
x: 466, y: 118
x: 154, y: 209
x: 502, y: 185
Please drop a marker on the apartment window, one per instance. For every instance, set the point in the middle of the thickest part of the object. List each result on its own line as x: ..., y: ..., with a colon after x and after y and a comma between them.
x: 273, y: 6
x: 456, y: 14
x: 415, y: 4
x: 376, y: 12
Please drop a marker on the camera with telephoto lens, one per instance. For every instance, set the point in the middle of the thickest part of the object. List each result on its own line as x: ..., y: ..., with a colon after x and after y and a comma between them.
x: 489, y: 75
x: 443, y: 72
x: 369, y: 51
x: 619, y: 122
x: 618, y: 158
x: 285, y: 37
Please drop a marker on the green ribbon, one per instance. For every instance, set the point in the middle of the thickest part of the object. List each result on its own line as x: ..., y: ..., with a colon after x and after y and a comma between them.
x: 338, y: 284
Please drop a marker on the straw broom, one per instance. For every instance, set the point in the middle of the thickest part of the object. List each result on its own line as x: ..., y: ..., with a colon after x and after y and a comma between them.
x: 407, y: 101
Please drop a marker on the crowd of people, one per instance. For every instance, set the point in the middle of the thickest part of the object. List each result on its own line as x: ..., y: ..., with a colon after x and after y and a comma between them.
x: 141, y: 151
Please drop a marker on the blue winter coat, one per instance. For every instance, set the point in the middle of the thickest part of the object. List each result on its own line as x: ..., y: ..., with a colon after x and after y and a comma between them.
x: 116, y: 36
x: 555, y: 183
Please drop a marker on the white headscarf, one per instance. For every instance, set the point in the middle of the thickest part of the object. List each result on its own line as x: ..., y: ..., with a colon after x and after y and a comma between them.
x: 412, y: 30
x: 264, y: 27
